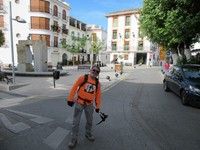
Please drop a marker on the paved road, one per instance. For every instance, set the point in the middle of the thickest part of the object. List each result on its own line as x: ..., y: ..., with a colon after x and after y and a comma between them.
x: 43, y: 86
x: 141, y: 117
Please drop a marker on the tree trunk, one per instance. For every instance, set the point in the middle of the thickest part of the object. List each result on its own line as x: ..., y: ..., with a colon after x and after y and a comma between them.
x: 174, y: 57
x: 73, y: 59
x: 187, y: 53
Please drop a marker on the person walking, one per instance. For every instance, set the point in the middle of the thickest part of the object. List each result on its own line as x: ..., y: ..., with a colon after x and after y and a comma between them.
x: 84, y: 93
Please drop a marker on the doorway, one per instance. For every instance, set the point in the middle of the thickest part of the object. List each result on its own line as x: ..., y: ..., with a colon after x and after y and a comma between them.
x: 64, y: 59
x: 141, y: 58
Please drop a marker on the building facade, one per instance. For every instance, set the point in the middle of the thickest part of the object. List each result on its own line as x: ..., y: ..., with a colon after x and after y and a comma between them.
x: 46, y: 20
x: 96, y: 32
x: 124, y: 40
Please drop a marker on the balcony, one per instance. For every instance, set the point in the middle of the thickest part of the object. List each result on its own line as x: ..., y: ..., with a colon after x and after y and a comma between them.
x: 55, y: 28
x: 83, y: 27
x: 65, y: 31
x: 40, y: 9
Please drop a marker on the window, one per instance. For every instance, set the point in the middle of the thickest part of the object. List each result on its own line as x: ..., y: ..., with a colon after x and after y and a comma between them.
x: 39, y: 6
x: 72, y: 35
x: 114, y: 46
x: 39, y: 23
x: 55, y: 11
x: 64, y: 29
x: 114, y: 57
x: 17, y: 1
x: 114, y: 34
x: 126, y: 45
x: 55, y: 27
x: 18, y: 35
x: 64, y: 15
x: 55, y: 41
x: 83, y: 26
x: 127, y: 34
x: 78, y: 24
x: 72, y: 22
x: 94, y: 37
x: 140, y: 45
x: 115, y: 22
x: 139, y: 33
x: 125, y: 56
x: 43, y: 37
x: 127, y: 21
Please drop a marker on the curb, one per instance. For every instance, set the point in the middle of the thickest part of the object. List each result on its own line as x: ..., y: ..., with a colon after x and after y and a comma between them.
x: 5, y: 87
x: 35, y: 74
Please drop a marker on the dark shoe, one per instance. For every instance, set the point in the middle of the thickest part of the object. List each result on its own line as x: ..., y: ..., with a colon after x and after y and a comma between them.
x: 72, y: 143
x: 90, y: 137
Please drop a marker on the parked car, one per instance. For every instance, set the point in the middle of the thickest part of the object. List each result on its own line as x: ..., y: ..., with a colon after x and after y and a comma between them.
x: 185, y: 82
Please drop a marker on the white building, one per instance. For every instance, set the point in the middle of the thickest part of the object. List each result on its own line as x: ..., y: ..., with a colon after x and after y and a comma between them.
x: 46, y: 20
x: 124, y: 41
x: 77, y: 29
x: 97, y: 32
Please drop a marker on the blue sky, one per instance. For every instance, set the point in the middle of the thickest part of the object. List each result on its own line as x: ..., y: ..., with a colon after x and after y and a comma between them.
x: 94, y: 11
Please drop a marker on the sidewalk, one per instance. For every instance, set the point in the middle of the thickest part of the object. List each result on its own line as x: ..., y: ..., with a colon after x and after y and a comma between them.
x: 43, y: 86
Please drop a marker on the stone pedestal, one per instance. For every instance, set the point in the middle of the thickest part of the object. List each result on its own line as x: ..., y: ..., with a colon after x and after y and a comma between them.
x: 26, y: 57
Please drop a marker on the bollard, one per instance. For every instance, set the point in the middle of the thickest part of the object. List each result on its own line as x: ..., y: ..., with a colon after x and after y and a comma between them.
x: 56, y: 76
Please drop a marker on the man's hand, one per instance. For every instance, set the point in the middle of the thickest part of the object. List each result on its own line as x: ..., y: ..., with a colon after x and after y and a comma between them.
x: 97, y: 110
x: 70, y: 103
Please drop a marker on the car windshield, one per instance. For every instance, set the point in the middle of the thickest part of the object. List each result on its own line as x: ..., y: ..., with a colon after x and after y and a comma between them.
x: 192, y: 72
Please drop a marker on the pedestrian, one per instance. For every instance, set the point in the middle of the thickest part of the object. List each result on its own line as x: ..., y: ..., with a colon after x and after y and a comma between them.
x: 166, y: 66
x: 85, y: 92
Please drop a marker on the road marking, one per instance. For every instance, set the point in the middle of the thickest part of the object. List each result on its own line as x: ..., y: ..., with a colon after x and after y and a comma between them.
x: 13, y: 101
x: 13, y: 127
x: 54, y: 139
x: 36, y: 118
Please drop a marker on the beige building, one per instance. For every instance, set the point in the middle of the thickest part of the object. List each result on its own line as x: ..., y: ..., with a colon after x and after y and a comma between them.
x: 98, y: 33
x: 124, y: 40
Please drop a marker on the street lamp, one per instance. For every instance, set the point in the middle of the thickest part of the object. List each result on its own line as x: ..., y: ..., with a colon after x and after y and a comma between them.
x: 18, y: 19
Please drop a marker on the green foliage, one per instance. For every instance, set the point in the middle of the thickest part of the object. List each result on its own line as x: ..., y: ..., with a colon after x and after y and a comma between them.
x: 171, y: 23
x: 96, y: 46
x: 76, y: 45
x: 2, y: 38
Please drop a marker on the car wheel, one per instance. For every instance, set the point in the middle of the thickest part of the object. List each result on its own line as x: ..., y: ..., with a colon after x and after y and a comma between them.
x: 165, y: 86
x: 184, y: 98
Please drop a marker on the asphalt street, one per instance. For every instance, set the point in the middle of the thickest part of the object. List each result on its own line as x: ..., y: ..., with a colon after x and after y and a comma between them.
x: 141, y: 117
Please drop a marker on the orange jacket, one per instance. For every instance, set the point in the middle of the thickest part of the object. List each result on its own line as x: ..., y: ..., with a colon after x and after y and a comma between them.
x: 87, y: 93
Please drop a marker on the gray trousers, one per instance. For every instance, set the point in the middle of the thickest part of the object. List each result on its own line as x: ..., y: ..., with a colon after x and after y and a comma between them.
x: 88, y: 109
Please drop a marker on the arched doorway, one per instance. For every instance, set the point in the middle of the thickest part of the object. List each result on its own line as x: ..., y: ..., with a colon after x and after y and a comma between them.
x: 141, y: 58
x: 64, y: 59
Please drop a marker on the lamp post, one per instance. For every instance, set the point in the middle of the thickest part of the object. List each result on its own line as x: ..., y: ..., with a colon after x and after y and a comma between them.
x: 18, y: 19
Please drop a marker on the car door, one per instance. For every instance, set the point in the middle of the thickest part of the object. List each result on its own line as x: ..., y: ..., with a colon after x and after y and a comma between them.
x: 176, y: 81
x: 169, y: 78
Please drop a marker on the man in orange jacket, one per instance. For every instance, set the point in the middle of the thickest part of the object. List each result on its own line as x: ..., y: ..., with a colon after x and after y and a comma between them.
x: 84, y: 94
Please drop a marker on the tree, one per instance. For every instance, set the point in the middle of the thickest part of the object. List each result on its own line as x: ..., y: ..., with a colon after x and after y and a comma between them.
x: 75, y: 46
x: 2, y: 38
x: 173, y: 24
x: 96, y: 46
